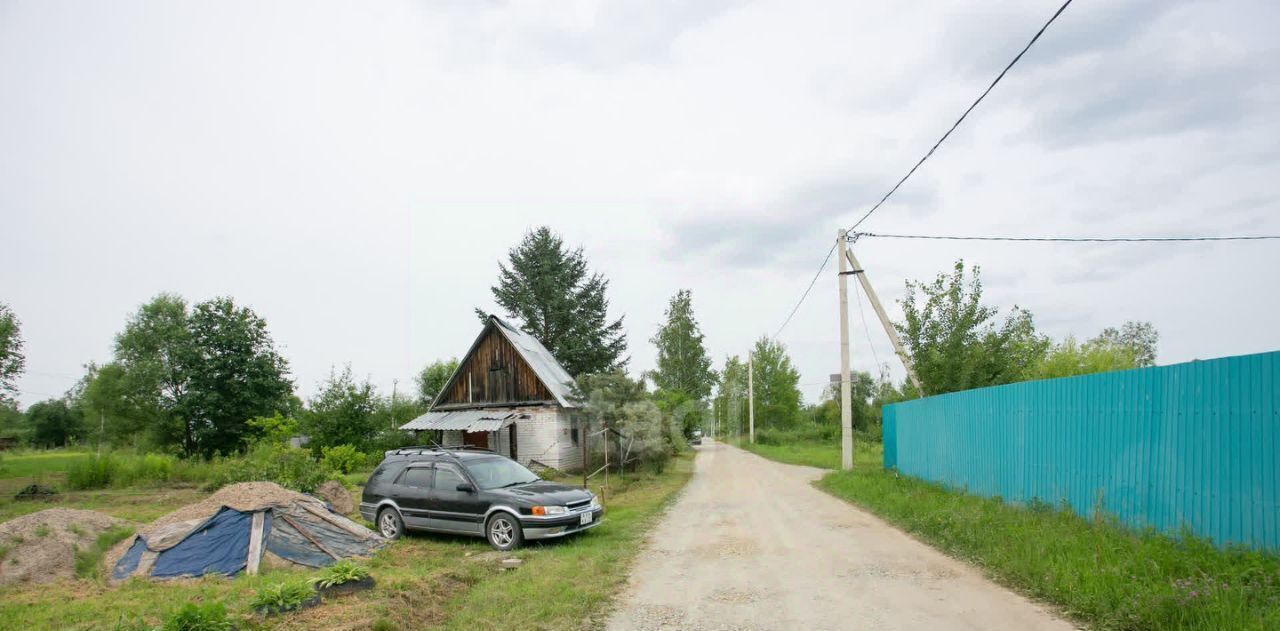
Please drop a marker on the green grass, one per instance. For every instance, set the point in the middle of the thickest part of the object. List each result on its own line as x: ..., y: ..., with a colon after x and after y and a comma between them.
x: 89, y: 560
x: 422, y: 581
x: 1095, y: 571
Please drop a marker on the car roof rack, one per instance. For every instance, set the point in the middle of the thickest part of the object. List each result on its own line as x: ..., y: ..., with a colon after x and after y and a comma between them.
x: 425, y: 449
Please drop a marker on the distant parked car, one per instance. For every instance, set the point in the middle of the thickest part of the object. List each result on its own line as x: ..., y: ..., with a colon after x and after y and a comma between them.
x: 473, y: 492
x: 696, y: 438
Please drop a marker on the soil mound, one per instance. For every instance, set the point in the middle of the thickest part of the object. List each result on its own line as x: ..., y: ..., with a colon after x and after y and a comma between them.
x: 337, y: 496
x: 41, y: 547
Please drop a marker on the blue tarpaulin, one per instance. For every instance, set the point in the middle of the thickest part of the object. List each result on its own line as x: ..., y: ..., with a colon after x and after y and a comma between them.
x: 303, y: 532
x: 219, y: 545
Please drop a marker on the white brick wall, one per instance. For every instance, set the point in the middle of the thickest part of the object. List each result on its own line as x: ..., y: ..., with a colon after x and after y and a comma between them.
x: 545, y: 436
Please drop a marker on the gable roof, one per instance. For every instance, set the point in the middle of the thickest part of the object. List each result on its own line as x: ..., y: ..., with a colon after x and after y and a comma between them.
x: 557, y: 380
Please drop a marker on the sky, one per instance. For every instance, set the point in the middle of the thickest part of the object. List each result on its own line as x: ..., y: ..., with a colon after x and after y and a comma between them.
x: 354, y: 171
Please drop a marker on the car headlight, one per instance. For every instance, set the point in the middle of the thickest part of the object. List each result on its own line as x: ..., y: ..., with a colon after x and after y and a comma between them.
x: 549, y: 510
x: 595, y: 501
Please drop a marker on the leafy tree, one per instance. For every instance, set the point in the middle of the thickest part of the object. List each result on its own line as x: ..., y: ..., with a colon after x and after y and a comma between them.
x: 192, y: 377
x: 1070, y: 358
x: 777, y: 395
x: 342, y: 413
x: 684, y: 375
x: 1137, y: 338
x: 54, y: 423
x: 13, y: 423
x: 683, y: 363
x: 433, y: 377
x: 394, y: 411
x: 954, y: 340
x: 235, y: 374
x: 150, y: 379
x: 549, y: 288
x: 12, y: 361
x: 862, y: 391
x: 102, y: 395
x: 731, y: 397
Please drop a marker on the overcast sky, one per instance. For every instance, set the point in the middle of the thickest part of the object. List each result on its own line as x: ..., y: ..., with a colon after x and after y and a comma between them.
x: 354, y: 171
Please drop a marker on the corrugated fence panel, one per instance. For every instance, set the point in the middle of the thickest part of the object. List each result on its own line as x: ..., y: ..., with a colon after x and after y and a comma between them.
x: 1194, y: 445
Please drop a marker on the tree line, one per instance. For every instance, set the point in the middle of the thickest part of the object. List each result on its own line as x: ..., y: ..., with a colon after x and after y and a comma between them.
x: 955, y: 341
x: 189, y: 378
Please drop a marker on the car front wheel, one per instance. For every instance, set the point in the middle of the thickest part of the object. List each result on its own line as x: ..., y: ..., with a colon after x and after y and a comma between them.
x: 389, y: 523
x: 503, y: 532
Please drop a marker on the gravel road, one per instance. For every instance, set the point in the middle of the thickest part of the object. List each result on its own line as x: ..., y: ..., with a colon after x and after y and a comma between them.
x: 750, y: 544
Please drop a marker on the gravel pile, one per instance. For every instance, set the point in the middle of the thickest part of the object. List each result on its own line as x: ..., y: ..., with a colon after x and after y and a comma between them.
x: 41, y: 547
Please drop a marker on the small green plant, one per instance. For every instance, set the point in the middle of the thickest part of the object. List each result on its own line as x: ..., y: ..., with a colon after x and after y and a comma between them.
x: 382, y: 624
x: 283, y: 596
x: 192, y: 617
x: 342, y: 572
x: 42, y: 530
x: 75, y: 529
x: 89, y: 560
x: 342, y: 458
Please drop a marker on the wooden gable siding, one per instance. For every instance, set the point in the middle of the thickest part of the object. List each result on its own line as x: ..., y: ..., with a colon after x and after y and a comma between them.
x: 495, y: 373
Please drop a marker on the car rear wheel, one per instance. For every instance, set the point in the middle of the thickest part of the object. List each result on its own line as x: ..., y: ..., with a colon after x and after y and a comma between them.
x: 389, y: 523
x: 503, y: 532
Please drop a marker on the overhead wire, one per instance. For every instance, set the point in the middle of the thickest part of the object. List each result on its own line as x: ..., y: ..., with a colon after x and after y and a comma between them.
x: 825, y: 261
x: 963, y: 116
x: 947, y: 237
x: 932, y: 149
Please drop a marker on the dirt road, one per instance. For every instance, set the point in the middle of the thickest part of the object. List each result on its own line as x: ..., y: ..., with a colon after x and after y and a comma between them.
x: 752, y: 545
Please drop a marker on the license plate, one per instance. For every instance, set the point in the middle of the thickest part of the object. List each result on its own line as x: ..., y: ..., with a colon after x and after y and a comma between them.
x: 585, y: 519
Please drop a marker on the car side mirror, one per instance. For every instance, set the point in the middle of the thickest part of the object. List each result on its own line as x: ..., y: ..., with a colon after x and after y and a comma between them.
x: 466, y: 488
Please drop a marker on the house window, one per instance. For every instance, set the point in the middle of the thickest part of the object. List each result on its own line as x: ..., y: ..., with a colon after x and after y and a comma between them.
x: 573, y: 430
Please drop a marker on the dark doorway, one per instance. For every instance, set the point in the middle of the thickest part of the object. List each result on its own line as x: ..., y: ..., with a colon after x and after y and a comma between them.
x: 476, y: 439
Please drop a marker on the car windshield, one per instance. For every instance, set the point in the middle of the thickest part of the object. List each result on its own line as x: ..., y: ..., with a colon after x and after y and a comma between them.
x: 497, y: 473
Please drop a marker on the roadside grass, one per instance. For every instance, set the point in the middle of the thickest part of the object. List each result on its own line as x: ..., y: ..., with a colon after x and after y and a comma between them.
x: 423, y: 581
x: 1094, y: 570
x: 823, y: 455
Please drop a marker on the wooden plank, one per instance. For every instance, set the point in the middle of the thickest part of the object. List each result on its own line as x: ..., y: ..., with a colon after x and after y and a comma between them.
x: 255, y: 543
x: 354, y: 529
x: 306, y: 534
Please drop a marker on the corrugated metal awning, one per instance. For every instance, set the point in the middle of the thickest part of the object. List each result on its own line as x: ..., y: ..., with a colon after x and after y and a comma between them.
x: 465, y: 420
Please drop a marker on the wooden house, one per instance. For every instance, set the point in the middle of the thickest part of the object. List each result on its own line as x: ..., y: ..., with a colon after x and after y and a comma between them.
x: 510, y: 395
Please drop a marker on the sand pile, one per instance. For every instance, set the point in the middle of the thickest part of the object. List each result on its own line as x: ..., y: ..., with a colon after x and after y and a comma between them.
x: 41, y: 547
x: 245, y: 496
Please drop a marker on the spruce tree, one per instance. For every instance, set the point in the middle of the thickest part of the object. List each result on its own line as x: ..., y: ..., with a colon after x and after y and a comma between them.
x: 559, y: 301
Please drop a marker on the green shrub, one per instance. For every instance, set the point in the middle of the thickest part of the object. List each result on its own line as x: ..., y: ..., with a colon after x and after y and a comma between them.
x: 192, y: 617
x: 283, y: 596
x: 287, y: 466
x: 342, y: 458
x: 344, y: 571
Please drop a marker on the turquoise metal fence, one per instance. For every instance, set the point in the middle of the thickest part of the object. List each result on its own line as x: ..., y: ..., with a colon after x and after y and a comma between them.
x: 1194, y: 445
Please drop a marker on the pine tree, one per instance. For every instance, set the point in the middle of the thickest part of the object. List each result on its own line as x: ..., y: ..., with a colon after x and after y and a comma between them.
x: 549, y: 288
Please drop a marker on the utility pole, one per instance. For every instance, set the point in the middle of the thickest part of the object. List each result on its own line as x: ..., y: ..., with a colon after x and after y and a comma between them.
x: 751, y: 398
x: 846, y: 412
x: 102, y: 429
x: 394, y: 383
x: 884, y: 317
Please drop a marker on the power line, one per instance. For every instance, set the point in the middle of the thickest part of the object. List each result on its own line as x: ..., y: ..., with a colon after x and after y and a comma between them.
x: 962, y: 116
x: 857, y: 293
x: 942, y: 237
x: 808, y: 289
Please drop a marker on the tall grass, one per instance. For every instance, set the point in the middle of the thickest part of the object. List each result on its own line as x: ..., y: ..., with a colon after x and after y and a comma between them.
x: 124, y: 469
